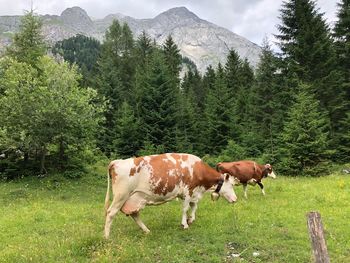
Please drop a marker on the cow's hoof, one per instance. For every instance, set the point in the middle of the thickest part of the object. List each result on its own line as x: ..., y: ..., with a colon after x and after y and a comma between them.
x: 189, y: 221
x: 146, y: 231
x: 214, y: 196
x: 184, y: 226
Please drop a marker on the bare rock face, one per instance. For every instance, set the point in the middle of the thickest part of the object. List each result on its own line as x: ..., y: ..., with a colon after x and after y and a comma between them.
x: 77, y: 19
x: 201, y: 41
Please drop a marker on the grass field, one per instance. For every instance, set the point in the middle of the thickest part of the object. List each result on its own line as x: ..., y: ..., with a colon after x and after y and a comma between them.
x: 59, y: 220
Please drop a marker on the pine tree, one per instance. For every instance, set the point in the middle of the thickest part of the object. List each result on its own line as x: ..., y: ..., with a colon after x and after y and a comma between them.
x: 82, y: 50
x: 172, y: 57
x: 28, y: 44
x: 268, y: 107
x: 144, y: 47
x: 342, y: 43
x: 344, y: 141
x: 245, y: 121
x: 218, y: 115
x: 233, y: 68
x: 190, y: 113
x: 116, y: 77
x: 308, y: 51
x: 304, y: 140
x: 158, y: 104
x: 192, y: 86
x: 127, y: 141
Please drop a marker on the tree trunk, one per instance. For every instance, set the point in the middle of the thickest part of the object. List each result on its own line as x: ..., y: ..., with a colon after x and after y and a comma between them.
x: 42, y: 160
x: 61, y: 154
x: 319, y: 246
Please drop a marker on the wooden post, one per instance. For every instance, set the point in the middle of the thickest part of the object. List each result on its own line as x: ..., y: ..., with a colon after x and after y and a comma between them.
x: 319, y: 247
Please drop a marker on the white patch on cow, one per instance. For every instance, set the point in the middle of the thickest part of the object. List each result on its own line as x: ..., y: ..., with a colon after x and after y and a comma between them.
x: 252, y: 181
x: 189, y: 163
x: 165, y: 187
x: 197, y: 193
x: 123, y: 167
x: 272, y: 175
x: 170, y: 158
x: 172, y: 172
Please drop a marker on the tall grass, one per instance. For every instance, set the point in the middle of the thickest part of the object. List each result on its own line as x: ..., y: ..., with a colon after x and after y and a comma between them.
x: 60, y: 220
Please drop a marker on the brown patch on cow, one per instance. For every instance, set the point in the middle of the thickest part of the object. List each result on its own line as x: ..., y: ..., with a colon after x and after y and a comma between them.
x: 167, y: 174
x: 111, y: 171
x: 204, y: 175
x: 137, y: 166
x: 132, y: 171
x: 243, y: 170
x: 184, y: 157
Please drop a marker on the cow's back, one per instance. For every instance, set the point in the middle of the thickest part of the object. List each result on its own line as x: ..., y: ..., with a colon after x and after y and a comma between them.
x: 243, y: 170
x: 157, y: 174
x: 172, y: 170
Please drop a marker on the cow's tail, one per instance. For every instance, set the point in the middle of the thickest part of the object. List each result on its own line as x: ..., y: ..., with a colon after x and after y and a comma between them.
x: 107, y: 193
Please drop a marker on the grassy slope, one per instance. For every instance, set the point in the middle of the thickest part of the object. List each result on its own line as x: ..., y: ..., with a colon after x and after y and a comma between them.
x: 57, y: 220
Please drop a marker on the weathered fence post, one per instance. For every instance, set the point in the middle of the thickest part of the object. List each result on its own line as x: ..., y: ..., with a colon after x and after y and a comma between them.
x: 319, y: 247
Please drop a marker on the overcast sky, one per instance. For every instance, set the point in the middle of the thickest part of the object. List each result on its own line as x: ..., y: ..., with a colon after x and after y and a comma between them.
x: 252, y: 19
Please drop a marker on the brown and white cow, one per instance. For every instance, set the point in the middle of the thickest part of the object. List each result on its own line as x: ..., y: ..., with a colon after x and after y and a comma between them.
x: 156, y: 179
x: 247, y: 172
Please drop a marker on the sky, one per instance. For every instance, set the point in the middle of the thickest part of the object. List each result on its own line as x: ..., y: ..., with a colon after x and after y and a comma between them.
x: 252, y: 19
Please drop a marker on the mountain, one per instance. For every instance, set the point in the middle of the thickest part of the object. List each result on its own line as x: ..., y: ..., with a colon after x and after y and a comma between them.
x: 203, y: 42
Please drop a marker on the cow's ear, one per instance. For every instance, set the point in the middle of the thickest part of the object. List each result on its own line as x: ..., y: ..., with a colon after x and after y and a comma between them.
x: 227, y: 177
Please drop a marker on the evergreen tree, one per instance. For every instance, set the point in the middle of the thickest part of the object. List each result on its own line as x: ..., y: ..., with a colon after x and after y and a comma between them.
x: 233, y: 68
x: 344, y: 141
x: 268, y: 105
x: 308, y: 52
x: 158, y: 103
x: 28, y: 44
x: 304, y: 140
x: 245, y: 121
x: 190, y: 113
x: 192, y: 86
x: 187, y: 126
x: 144, y: 47
x: 127, y: 141
x: 128, y: 62
x: 342, y: 43
x: 173, y: 58
x: 116, y: 70
x: 82, y: 50
x: 218, y: 115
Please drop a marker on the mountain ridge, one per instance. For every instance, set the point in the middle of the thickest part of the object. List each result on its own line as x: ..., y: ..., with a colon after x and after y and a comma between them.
x: 203, y: 42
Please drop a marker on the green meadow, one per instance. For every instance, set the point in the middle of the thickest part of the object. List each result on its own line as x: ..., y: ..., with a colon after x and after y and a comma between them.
x: 56, y: 219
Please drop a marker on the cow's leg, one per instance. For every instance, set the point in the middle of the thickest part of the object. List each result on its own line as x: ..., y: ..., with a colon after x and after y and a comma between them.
x: 261, y: 187
x: 136, y: 217
x: 245, y: 190
x: 117, y: 203
x: 192, y: 217
x: 186, y: 206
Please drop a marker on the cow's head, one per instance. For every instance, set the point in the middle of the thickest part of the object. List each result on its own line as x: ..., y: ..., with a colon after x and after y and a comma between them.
x: 225, y: 188
x: 269, y: 171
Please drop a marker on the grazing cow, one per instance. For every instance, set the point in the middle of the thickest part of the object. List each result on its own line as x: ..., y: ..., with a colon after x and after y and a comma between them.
x: 247, y: 172
x: 156, y: 179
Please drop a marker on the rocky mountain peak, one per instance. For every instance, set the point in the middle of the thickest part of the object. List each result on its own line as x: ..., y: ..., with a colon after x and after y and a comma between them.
x: 178, y: 15
x: 76, y: 17
x: 179, y: 12
x: 199, y: 40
